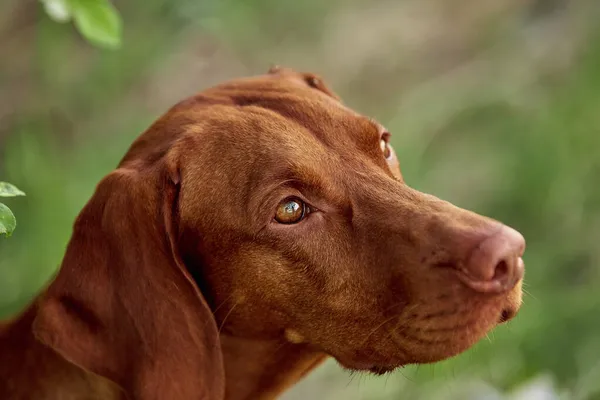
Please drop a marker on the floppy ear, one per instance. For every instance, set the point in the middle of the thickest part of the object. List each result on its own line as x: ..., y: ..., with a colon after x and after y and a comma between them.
x: 123, y: 305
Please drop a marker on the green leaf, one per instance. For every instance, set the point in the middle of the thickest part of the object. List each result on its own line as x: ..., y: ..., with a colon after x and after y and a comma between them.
x: 8, y: 190
x: 57, y: 10
x: 98, y: 21
x: 8, y: 223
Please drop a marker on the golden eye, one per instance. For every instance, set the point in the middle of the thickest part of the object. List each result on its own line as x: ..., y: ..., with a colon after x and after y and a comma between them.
x: 385, y: 148
x: 291, y: 211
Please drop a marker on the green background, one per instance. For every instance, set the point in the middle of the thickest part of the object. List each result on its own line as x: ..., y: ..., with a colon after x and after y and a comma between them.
x: 493, y: 105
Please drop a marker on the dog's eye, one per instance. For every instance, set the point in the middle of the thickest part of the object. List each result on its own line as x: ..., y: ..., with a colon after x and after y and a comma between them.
x: 291, y: 211
x: 313, y: 81
x: 385, y: 148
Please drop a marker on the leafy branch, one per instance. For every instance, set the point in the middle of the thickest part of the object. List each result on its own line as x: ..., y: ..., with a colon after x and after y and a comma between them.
x: 97, y: 20
x: 8, y: 223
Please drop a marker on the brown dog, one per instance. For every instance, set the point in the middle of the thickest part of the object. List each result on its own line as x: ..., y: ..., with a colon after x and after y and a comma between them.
x: 253, y: 230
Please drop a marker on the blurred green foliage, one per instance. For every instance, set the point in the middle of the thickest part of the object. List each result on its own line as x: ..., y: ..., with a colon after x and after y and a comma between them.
x: 97, y: 20
x: 493, y: 107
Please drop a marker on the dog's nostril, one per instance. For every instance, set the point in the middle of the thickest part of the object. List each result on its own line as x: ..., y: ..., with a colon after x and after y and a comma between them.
x: 501, y: 272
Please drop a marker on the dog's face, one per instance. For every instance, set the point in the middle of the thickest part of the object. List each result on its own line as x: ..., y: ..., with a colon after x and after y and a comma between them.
x: 320, y: 236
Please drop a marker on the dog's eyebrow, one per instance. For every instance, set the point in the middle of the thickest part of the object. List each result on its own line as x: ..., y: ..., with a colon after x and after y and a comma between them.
x: 299, y: 177
x: 378, y: 127
x: 368, y: 131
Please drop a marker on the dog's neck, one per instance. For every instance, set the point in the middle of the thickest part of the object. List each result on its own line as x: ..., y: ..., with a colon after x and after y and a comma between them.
x: 264, y: 369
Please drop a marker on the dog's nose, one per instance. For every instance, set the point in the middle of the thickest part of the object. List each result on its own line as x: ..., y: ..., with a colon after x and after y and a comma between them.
x: 495, y: 264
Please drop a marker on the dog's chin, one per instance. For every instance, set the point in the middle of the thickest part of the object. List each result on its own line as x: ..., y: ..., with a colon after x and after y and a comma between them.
x: 375, y: 369
x: 375, y: 362
x: 382, y: 370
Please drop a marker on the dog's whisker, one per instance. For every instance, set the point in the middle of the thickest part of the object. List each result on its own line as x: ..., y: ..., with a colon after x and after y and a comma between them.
x: 407, y: 377
x: 226, y: 316
x: 223, y: 303
x: 529, y: 294
x: 352, y: 375
x: 376, y: 329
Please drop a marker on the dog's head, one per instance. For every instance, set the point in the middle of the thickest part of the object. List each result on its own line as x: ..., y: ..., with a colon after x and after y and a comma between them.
x: 289, y: 212
x: 319, y: 237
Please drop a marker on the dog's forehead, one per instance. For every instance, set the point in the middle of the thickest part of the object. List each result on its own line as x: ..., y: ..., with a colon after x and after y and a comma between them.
x: 301, y: 99
x: 261, y: 121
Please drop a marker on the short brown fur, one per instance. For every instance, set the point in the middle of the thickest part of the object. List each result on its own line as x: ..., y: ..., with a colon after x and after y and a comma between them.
x: 179, y: 284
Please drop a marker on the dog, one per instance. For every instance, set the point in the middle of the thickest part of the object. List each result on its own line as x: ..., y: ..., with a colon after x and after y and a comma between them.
x: 251, y: 232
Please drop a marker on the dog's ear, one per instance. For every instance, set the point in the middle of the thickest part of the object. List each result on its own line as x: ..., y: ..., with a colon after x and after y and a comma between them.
x: 123, y: 305
x: 308, y: 78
